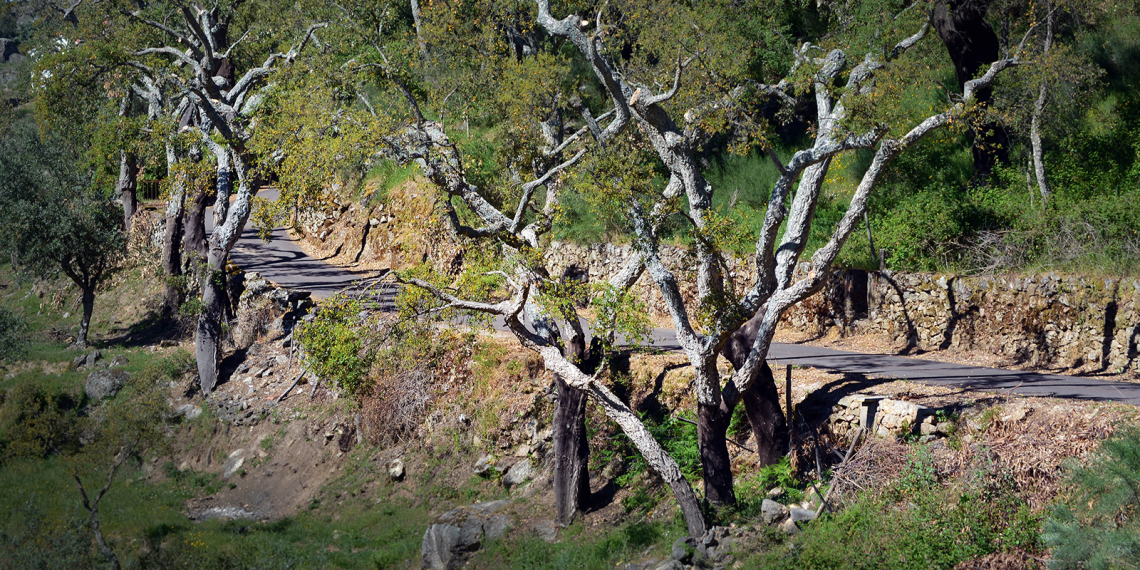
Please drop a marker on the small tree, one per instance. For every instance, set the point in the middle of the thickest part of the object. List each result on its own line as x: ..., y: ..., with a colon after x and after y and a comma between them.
x: 121, y: 430
x: 1098, y: 528
x: 56, y: 222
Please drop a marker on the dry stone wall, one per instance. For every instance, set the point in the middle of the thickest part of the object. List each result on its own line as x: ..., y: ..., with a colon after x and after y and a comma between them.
x: 1066, y: 320
x: 599, y: 262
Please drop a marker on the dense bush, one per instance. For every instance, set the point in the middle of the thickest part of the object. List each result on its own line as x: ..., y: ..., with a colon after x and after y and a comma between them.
x: 1097, y: 527
x: 334, y: 343
x: 12, y: 335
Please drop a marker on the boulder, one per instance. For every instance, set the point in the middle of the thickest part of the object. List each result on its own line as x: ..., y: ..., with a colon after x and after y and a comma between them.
x: 546, y: 530
x: 518, y: 474
x: 452, y: 535
x: 683, y: 549
x: 396, y: 470
x: 800, y: 515
x: 118, y: 361
x: 496, y: 526
x: 105, y: 383
x: 188, y: 411
x: 485, y: 466
x: 772, y: 511
x: 233, y: 464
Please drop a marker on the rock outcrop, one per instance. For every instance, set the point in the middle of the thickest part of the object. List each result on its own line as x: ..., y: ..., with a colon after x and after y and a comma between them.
x: 459, y: 532
x: 102, y: 384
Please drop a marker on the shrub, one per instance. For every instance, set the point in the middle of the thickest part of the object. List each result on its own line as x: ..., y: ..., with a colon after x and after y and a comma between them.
x: 1097, y: 526
x: 13, y: 339
x: 334, y: 343
x: 36, y: 420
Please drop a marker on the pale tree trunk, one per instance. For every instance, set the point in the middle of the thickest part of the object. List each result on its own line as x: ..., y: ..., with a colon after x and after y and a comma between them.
x: 1038, y: 111
x: 172, y: 239
x: 208, y: 338
x: 127, y: 186
x: 419, y: 33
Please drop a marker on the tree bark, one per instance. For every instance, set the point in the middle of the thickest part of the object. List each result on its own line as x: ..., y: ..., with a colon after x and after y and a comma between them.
x: 172, y: 240
x: 769, y: 426
x: 762, y: 400
x: 127, y: 186
x: 419, y: 32
x: 208, y: 336
x: 571, y: 452
x: 656, y: 456
x: 716, y: 464
x: 88, y: 301
x: 172, y: 262
x: 1038, y: 111
x: 973, y: 44
x: 207, y: 351
x: 194, y: 240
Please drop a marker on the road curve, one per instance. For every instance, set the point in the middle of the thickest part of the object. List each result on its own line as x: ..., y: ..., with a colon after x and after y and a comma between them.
x: 284, y: 263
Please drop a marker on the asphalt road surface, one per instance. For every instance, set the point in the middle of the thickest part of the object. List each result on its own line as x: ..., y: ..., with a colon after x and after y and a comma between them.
x: 283, y: 262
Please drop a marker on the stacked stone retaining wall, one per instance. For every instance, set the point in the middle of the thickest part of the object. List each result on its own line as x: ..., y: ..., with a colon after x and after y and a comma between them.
x: 1064, y: 320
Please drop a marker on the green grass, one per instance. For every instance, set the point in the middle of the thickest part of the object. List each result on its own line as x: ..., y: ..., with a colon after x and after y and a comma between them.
x: 147, y: 527
x: 575, y: 550
x: 917, y: 523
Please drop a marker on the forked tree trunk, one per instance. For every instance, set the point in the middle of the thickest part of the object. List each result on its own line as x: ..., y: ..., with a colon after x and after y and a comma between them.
x: 85, y: 321
x: 762, y: 401
x: 571, y: 452
x: 571, y: 445
x: 655, y: 456
x: 127, y: 186
x: 208, y: 336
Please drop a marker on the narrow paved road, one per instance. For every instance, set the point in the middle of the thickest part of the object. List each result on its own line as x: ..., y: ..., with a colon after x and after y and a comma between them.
x: 283, y: 262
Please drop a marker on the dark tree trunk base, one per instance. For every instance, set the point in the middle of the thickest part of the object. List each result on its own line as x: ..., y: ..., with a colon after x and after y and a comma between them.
x: 208, y: 340
x: 769, y: 428
x: 716, y: 464
x: 172, y: 265
x: 571, y: 452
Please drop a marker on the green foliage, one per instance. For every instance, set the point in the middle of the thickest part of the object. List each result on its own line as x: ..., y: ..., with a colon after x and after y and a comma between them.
x: 530, y: 552
x: 752, y: 489
x: 45, y: 543
x: 56, y: 222
x: 919, y: 475
x: 1096, y: 526
x: 13, y: 339
x: 36, y: 420
x: 335, y: 344
x: 679, y: 438
x: 931, y: 528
